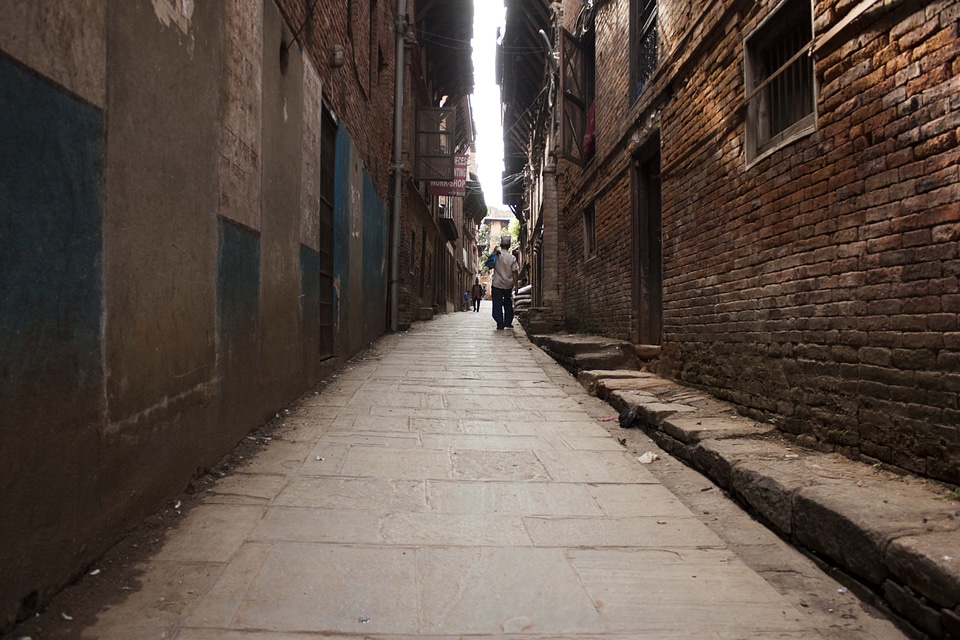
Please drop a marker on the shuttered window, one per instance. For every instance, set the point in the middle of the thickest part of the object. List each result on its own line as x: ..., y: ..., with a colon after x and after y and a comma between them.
x: 577, y: 92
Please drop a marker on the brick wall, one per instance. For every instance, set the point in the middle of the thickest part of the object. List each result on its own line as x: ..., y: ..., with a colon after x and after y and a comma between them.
x: 817, y: 288
x: 597, y: 291
x: 419, y: 262
x: 360, y: 92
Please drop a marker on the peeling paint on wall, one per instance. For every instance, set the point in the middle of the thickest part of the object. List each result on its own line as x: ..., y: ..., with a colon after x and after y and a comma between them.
x: 310, y: 178
x: 176, y: 12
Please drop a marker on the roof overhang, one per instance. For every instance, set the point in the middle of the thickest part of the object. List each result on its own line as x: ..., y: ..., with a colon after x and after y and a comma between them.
x: 444, y: 29
x: 522, y: 59
x: 474, y: 205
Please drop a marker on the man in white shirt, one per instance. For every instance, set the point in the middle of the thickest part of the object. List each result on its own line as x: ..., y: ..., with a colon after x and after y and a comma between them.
x: 506, y: 277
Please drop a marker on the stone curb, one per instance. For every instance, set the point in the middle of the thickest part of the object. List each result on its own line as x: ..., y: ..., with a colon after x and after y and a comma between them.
x: 892, y: 539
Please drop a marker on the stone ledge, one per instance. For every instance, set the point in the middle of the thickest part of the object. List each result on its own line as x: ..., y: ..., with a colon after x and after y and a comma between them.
x: 892, y: 535
x: 578, y: 352
x: 691, y: 430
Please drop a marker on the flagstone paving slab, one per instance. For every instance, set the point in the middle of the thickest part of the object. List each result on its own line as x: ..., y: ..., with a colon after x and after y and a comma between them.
x: 492, y: 591
x: 624, y: 500
x: 354, y: 493
x: 708, y: 584
x: 588, y: 443
x: 325, y: 459
x: 330, y: 526
x: 483, y: 442
x: 383, y: 462
x: 211, y: 533
x: 332, y: 588
x: 387, y: 438
x: 497, y: 465
x: 452, y: 483
x: 579, y: 428
x: 165, y: 593
x: 220, y: 602
x: 673, y: 532
x: 513, y: 498
x: 241, y: 488
x: 457, y: 529
x: 278, y: 457
x: 490, y: 427
x: 593, y: 466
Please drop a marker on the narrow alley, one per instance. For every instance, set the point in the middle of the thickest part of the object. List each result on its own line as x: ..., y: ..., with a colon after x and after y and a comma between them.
x: 239, y: 400
x: 454, y: 481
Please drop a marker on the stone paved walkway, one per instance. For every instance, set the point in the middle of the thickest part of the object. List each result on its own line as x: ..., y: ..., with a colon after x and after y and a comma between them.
x: 453, y: 483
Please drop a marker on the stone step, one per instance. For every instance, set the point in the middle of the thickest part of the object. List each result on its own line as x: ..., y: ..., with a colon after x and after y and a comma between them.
x: 580, y: 352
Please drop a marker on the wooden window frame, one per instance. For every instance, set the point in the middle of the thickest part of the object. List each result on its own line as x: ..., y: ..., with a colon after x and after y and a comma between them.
x: 643, y: 31
x: 436, y: 131
x: 578, y: 91
x: 768, y: 90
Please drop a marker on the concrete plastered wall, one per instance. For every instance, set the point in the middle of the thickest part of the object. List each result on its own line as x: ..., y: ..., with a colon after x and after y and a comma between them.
x: 63, y: 41
x: 240, y: 167
x: 280, y: 218
x: 159, y: 231
x: 158, y: 260
x: 52, y: 399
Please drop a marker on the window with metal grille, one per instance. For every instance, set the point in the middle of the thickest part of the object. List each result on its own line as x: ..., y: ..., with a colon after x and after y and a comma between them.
x: 644, y: 43
x: 779, y: 79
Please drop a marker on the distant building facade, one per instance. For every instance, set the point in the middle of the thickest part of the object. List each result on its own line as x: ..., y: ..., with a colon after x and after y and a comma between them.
x: 499, y: 223
x: 767, y: 191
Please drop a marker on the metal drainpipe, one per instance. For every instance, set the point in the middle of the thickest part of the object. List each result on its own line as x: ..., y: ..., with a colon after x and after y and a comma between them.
x: 399, y: 62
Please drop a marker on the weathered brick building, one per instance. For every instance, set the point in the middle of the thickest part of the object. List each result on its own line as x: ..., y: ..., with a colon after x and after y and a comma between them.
x: 767, y: 190
x: 194, y: 228
x: 437, y: 245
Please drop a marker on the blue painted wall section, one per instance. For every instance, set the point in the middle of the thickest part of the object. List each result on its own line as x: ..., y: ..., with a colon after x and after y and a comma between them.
x: 51, y: 309
x: 238, y: 318
x: 374, y: 262
x: 238, y: 286
x: 360, y: 252
x: 341, y: 233
x: 310, y: 300
x: 51, y: 186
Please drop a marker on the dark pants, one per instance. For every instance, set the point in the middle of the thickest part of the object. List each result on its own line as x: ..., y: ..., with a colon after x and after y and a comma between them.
x: 502, y: 307
x: 476, y: 304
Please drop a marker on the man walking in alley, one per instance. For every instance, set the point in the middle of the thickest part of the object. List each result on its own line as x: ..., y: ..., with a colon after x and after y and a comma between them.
x: 506, y: 277
x: 476, y: 293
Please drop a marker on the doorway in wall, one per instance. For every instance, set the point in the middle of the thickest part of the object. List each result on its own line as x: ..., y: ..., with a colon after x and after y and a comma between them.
x: 647, y: 244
